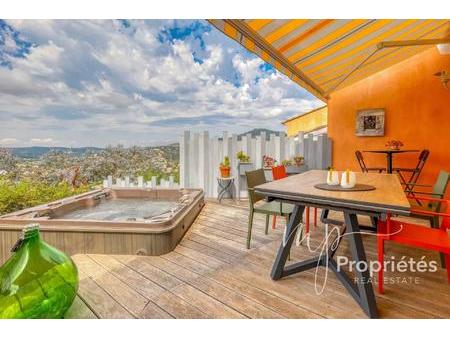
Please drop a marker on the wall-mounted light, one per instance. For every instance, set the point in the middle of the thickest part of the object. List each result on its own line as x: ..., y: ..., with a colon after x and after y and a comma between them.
x: 444, y: 48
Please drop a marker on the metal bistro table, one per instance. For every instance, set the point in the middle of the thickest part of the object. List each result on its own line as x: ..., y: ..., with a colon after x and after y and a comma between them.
x: 388, y: 197
x: 389, y: 153
x: 225, y: 187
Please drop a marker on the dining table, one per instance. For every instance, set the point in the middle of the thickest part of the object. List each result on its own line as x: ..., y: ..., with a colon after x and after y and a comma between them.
x: 386, y: 196
x: 389, y: 153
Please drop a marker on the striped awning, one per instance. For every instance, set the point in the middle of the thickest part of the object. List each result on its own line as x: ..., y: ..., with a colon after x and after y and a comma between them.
x: 325, y: 55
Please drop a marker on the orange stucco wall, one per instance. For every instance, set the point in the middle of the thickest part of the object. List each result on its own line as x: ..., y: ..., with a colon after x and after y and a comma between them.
x: 417, y: 108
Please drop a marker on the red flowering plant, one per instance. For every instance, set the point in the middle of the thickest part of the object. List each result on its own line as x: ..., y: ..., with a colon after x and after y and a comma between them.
x: 394, y: 144
x: 268, y: 161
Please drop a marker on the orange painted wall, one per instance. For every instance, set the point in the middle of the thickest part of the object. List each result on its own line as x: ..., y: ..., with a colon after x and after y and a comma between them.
x: 417, y: 108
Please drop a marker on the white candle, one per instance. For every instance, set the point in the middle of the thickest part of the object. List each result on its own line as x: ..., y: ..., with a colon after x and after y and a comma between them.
x: 332, y: 177
x: 348, y: 179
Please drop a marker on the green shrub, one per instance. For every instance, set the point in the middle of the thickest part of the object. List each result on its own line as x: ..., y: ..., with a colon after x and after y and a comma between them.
x: 149, y: 173
x: 24, y: 194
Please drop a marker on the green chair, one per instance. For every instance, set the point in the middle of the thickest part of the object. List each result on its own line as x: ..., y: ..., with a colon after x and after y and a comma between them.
x: 254, y: 178
x: 438, y: 191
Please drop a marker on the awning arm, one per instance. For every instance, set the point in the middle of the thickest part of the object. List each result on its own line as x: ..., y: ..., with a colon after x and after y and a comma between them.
x: 246, y: 31
x: 411, y: 43
x: 389, y: 44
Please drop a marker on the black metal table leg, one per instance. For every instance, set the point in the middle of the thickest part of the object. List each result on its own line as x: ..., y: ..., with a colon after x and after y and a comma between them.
x: 361, y: 291
x: 365, y: 296
x: 389, y: 162
x: 324, y: 218
x: 283, y: 251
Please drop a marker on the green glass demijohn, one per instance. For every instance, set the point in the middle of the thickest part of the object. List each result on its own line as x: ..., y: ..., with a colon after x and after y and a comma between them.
x: 37, y: 281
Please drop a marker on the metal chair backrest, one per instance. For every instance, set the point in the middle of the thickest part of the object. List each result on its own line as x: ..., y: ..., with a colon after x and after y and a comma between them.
x: 254, y: 178
x: 439, y: 189
x: 422, y: 159
x: 279, y: 172
x: 362, y: 164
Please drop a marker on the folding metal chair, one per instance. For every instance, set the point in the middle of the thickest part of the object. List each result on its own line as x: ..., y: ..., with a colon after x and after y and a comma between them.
x: 414, y: 174
x: 362, y: 164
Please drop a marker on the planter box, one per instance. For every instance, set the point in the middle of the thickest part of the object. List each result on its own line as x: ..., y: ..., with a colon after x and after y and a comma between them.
x: 244, y: 166
x: 268, y: 174
x: 293, y: 169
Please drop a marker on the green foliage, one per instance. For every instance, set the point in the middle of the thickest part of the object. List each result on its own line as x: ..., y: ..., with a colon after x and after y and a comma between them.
x: 58, y: 174
x: 243, y: 157
x: 24, y: 194
x: 226, y: 162
x: 149, y: 173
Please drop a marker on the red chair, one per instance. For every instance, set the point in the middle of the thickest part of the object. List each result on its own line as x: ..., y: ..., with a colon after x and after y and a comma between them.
x: 278, y: 173
x: 416, y: 235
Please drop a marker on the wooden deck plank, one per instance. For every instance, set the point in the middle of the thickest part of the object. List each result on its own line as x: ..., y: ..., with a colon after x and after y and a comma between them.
x: 209, y: 250
x: 132, y: 278
x: 79, y: 310
x: 153, y: 311
x: 124, y: 295
x: 207, y: 304
x: 102, y: 303
x: 234, y: 295
x: 210, y: 274
x: 158, y: 276
x: 178, y: 308
x: 180, y: 265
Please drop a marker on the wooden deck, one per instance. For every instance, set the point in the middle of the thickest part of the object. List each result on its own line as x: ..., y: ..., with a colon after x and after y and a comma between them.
x: 210, y: 274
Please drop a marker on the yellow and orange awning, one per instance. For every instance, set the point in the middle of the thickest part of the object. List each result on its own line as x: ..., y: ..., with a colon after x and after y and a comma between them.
x: 324, y: 55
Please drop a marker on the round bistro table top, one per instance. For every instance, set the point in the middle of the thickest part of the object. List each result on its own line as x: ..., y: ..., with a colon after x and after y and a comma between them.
x: 225, y: 178
x: 392, y: 151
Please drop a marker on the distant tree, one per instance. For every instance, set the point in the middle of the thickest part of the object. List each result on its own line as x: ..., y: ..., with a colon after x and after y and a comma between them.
x: 8, y: 163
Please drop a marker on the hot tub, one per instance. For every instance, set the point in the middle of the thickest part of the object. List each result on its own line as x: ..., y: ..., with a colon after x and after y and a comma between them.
x: 125, y: 221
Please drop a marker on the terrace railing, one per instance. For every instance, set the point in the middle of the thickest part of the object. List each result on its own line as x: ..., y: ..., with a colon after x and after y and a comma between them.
x: 201, y: 155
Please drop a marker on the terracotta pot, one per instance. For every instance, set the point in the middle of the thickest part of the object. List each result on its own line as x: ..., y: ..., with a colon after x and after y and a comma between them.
x: 225, y: 172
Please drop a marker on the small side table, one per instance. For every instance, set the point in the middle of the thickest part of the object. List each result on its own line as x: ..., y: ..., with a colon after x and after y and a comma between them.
x: 225, y: 186
x: 389, y: 153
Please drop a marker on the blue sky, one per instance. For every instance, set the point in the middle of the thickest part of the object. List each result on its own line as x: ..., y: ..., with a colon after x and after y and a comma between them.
x: 94, y: 83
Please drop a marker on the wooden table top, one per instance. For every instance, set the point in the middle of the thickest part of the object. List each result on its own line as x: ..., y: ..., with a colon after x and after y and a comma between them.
x: 387, y: 197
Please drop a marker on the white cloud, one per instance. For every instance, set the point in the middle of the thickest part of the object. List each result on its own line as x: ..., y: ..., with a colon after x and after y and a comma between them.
x: 8, y: 141
x: 95, y: 82
x: 42, y: 141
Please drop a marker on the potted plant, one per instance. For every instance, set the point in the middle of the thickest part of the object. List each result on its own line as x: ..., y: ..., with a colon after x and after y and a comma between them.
x: 268, y: 162
x: 242, y: 157
x: 244, y: 163
x: 299, y: 160
x: 225, y: 167
x: 296, y: 165
x: 286, y: 163
x: 394, y: 144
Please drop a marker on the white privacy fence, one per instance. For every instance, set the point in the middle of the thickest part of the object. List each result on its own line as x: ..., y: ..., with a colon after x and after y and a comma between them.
x: 139, y: 182
x: 201, y: 155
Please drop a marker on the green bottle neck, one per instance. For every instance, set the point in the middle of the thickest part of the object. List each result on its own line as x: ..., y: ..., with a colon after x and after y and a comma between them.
x: 30, y: 234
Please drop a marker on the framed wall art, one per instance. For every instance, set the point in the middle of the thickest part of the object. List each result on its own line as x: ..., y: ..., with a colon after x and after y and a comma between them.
x: 370, y: 122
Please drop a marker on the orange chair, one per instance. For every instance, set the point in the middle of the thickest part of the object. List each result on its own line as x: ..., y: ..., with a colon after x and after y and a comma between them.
x: 278, y: 173
x: 416, y: 235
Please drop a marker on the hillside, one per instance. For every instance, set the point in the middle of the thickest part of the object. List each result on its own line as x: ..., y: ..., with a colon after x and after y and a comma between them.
x: 36, y: 152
